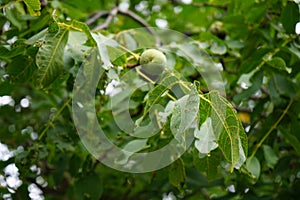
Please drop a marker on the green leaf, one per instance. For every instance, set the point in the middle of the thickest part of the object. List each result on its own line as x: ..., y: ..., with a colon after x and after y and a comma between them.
x: 206, y: 138
x: 279, y: 63
x: 270, y: 156
x: 218, y: 48
x: 290, y: 16
x: 88, y: 187
x: 177, y: 173
x: 130, y: 148
x: 34, y: 7
x: 49, y: 58
x: 12, y: 16
x: 292, y: 140
x: 184, y: 114
x: 209, y: 163
x: 102, y: 43
x: 84, y: 28
x: 253, y: 166
x: 229, y: 131
x: 135, y: 145
x: 4, y: 52
x: 21, y: 68
x: 169, y: 79
x: 257, y: 80
x: 281, y: 85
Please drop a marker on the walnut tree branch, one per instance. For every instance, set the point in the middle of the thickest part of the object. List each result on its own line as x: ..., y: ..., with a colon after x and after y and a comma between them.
x: 96, y: 16
x: 108, y: 20
x: 141, y: 21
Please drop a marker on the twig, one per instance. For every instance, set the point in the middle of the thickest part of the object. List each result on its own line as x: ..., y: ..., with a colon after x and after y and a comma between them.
x: 272, y: 128
x: 142, y: 22
x: 108, y: 20
x: 96, y: 16
x: 152, y: 82
x: 57, y: 114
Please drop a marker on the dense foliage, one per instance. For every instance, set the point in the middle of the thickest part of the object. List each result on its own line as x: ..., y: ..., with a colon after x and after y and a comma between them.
x: 239, y: 137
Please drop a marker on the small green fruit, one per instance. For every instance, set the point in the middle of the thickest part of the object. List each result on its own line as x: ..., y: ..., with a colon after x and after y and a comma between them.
x: 153, y: 56
x: 153, y: 63
x: 217, y: 28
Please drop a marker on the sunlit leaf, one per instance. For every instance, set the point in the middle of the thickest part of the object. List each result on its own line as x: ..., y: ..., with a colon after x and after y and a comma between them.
x: 229, y: 131
x: 279, y: 63
x: 49, y: 58
x: 206, y: 139
x: 77, y: 25
x: 34, y: 7
x: 184, y: 114
x: 168, y: 80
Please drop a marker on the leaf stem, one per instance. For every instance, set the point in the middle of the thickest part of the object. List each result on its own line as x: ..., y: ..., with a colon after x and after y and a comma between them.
x: 273, y: 53
x: 274, y: 126
x: 136, y: 56
x: 151, y: 81
x: 57, y: 114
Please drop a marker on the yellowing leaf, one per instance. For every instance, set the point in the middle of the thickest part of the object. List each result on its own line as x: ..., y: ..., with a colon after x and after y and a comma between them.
x: 34, y: 7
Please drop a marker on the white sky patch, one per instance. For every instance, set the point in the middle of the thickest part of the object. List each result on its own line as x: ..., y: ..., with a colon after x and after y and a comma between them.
x: 5, y: 153
x: 112, y: 89
x: 41, y: 181
x: 2, y: 64
x: 161, y: 23
x: 36, y: 169
x: 169, y: 196
x: 244, y: 85
x: 124, y: 5
x: 297, y: 28
x: 247, y: 129
x: 12, y: 40
x: 6, y: 100
x: 6, y: 197
x: 11, y: 170
x: 177, y: 9
x: 2, y: 181
x: 219, y: 66
x: 141, y: 6
x: 187, y: 1
x: 6, y: 26
x: 35, y: 193
x: 34, y: 135
x: 156, y: 8
x: 231, y: 188
x: 24, y: 103
x: 18, y: 108
x: 12, y: 177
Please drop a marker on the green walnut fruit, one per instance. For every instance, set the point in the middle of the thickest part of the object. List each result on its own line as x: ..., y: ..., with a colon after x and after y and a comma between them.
x: 153, y: 56
x: 217, y: 28
x: 152, y: 63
